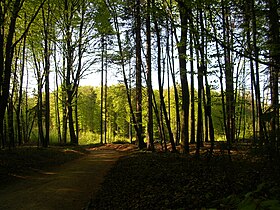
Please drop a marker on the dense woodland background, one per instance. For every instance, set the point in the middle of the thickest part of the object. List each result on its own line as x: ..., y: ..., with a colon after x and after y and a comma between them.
x: 190, y: 71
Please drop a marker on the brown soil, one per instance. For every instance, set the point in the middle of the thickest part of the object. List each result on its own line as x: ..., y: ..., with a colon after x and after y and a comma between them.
x: 69, y: 186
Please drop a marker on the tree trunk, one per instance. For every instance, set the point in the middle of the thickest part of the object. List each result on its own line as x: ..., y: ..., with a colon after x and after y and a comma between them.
x: 102, y: 87
x: 208, y: 109
x: 184, y: 82
x: 128, y: 89
x: 69, y: 71
x: 57, y: 111
x: 106, y: 94
x: 275, y: 60
x: 192, y: 140
x: 6, y: 58
x: 162, y: 103
x: 249, y: 10
x: 64, y: 104
x: 229, y: 77
x: 150, y: 139
x: 176, y: 95
x: 11, y: 134
x: 221, y: 73
x: 39, y: 106
x: 139, y: 137
x: 19, y: 107
x: 7, y: 50
x: 73, y: 137
x: 46, y: 22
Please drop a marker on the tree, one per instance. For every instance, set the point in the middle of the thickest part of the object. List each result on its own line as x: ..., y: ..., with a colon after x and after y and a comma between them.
x: 150, y: 140
x: 274, y: 41
x: 139, y: 137
x: 159, y: 67
x: 46, y: 23
x: 184, y: 16
x: 8, y: 20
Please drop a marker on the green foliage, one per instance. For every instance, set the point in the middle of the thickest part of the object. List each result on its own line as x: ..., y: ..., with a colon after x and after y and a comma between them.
x: 88, y: 138
x: 266, y: 196
x: 121, y: 142
x: 101, y: 17
x: 89, y: 109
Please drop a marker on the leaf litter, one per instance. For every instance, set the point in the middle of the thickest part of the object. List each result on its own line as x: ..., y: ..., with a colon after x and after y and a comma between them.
x: 175, y: 181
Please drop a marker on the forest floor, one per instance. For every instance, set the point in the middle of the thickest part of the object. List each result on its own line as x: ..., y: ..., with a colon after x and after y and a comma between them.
x: 118, y: 176
x: 144, y: 180
x: 54, y: 178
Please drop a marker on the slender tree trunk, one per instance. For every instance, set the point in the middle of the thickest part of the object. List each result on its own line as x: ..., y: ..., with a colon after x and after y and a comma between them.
x: 274, y: 77
x: 57, y: 110
x: 2, y: 60
x: 139, y: 137
x: 79, y: 69
x: 192, y: 140
x: 46, y: 22
x: 7, y: 46
x: 228, y: 77
x: 208, y: 109
x: 11, y: 123
x: 184, y: 82
x: 162, y: 103
x: 10, y: 108
x: 150, y: 140
x: 199, y: 47
x: 71, y: 123
x: 70, y: 88
x: 248, y: 10
x: 39, y: 105
x: 128, y: 93
x: 102, y: 87
x: 27, y: 123
x: 199, y: 133
x: 221, y: 73
x: 257, y: 79
x: 160, y: 124
x: 6, y: 58
x: 77, y: 115
x: 19, y: 107
x: 64, y: 104
x: 106, y: 95
x: 176, y: 95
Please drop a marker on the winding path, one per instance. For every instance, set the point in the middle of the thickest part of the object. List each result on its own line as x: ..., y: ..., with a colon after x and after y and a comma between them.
x: 69, y: 186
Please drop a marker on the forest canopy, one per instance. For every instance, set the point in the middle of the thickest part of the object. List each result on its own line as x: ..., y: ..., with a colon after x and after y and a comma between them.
x: 189, y: 72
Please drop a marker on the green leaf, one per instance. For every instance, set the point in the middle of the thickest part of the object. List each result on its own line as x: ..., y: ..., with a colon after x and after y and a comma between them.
x: 248, y: 204
x: 270, y: 204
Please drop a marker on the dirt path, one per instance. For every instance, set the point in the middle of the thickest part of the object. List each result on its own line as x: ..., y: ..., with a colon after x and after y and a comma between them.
x: 69, y: 186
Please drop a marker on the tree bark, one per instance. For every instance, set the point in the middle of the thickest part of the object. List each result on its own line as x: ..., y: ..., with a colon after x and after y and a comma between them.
x: 274, y: 77
x: 46, y: 22
x: 139, y: 137
x: 184, y: 82
x: 150, y: 139
x: 102, y: 89
x: 228, y: 76
x: 6, y: 58
x: 162, y: 102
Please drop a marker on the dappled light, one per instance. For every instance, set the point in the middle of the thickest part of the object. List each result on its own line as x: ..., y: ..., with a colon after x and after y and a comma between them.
x: 139, y: 104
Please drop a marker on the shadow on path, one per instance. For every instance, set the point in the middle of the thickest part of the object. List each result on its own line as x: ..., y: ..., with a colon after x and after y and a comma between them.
x: 69, y: 186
